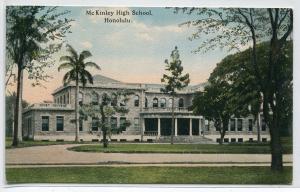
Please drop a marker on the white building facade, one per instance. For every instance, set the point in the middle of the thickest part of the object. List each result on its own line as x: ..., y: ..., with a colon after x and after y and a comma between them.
x: 149, y: 114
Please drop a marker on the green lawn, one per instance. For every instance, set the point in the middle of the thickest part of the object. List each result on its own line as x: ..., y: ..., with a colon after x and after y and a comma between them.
x: 30, y: 143
x: 149, y: 175
x: 245, y: 148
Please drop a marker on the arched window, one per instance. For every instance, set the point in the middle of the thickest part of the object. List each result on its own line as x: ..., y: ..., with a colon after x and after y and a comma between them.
x: 146, y: 102
x: 95, y: 98
x: 114, y: 100
x: 163, y: 103
x: 170, y: 102
x: 180, y: 103
x: 80, y: 98
x: 136, y: 100
x: 105, y: 99
x: 155, y: 102
x: 68, y: 98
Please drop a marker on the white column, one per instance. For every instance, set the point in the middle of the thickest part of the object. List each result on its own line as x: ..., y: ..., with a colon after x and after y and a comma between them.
x: 200, y: 128
x: 142, y: 128
x: 158, y: 127
x: 175, y: 127
x: 191, y: 127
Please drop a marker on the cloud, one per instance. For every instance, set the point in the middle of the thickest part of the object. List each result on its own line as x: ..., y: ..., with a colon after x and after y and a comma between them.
x: 86, y: 44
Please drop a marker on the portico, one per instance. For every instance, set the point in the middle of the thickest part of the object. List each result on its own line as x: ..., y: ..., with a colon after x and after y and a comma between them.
x: 160, y: 124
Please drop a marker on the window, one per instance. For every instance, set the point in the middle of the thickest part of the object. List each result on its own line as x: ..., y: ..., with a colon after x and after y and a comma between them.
x: 136, y: 100
x: 180, y: 103
x: 114, y: 100
x: 105, y: 99
x: 233, y: 140
x: 45, y: 123
x: 218, y: 140
x: 59, y: 123
x: 232, y: 124
x: 80, y: 99
x: 136, y: 123
x: 64, y: 99
x: 113, y: 123
x: 264, y: 139
x: 226, y: 140
x: 68, y: 98
x: 206, y: 125
x: 80, y: 124
x: 263, y: 125
x: 250, y: 125
x: 146, y: 102
x: 94, y: 124
x: 163, y: 103
x: 95, y: 98
x: 240, y: 124
x: 250, y: 139
x: 155, y: 102
x: 123, y: 123
x: 240, y: 140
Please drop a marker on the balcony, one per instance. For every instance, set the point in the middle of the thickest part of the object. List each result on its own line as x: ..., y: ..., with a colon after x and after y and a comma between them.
x: 165, y: 110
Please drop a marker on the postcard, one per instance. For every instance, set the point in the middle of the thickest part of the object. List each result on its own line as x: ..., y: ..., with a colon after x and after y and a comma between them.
x: 148, y: 95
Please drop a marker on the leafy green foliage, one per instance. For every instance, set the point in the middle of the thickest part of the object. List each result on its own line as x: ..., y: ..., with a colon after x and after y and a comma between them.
x: 33, y: 34
x: 77, y: 65
x: 175, y: 80
x: 109, y: 106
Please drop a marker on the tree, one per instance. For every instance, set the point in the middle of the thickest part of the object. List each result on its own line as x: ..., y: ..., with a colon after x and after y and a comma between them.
x: 33, y: 34
x: 214, y: 104
x: 109, y: 106
x: 76, y: 63
x: 236, y: 27
x: 175, y: 81
x: 10, y: 101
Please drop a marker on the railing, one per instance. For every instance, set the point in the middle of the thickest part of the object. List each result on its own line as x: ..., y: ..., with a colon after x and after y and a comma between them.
x: 150, y: 133
x: 50, y: 105
x: 164, y: 109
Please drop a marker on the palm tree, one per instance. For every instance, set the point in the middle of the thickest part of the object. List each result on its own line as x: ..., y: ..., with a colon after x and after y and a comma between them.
x: 77, y: 73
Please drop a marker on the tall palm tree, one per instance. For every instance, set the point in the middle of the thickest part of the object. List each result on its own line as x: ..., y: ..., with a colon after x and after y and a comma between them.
x: 76, y: 63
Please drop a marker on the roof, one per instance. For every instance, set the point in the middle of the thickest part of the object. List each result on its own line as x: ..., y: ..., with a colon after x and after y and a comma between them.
x: 103, y: 81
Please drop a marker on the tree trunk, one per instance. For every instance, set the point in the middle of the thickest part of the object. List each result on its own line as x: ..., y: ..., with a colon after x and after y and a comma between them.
x: 258, y: 128
x: 173, y: 121
x: 16, y: 116
x: 20, y: 128
x: 77, y: 112
x: 105, y: 142
x: 222, y: 137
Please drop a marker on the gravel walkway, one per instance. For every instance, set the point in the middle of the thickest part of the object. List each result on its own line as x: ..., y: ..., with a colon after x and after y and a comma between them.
x: 59, y: 155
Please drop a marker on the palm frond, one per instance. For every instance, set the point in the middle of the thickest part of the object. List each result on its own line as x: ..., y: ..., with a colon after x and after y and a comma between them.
x: 92, y: 64
x: 66, y: 78
x: 84, y: 54
x: 88, y: 76
x: 73, y: 52
x: 67, y: 59
x: 65, y: 66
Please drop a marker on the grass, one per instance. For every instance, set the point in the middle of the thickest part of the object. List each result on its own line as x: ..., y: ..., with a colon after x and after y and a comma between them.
x: 30, y: 143
x: 149, y: 175
x: 245, y: 148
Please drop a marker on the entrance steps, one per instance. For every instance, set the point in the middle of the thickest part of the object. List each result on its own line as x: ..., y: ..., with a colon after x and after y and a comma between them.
x: 186, y: 139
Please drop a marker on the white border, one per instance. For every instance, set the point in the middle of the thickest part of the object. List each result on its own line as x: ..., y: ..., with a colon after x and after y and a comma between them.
x: 158, y: 3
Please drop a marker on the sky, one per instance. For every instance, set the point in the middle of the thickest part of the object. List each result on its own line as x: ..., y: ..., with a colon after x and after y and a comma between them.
x: 129, y: 52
